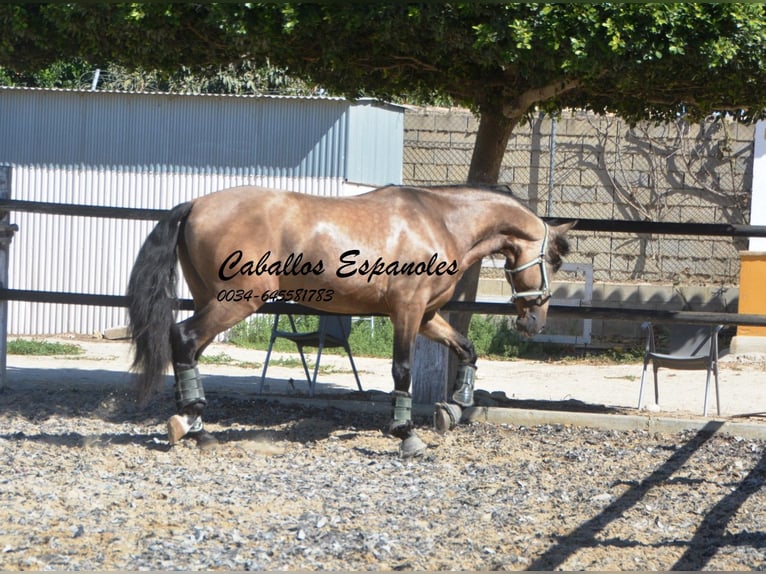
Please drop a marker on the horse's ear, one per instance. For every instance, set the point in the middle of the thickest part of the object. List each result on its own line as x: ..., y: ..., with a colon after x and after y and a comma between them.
x: 562, y: 228
x: 558, y: 235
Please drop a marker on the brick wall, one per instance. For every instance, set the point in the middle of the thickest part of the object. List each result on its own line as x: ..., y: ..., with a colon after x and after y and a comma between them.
x: 604, y: 168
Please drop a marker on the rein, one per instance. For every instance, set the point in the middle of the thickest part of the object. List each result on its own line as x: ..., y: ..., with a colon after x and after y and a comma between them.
x: 544, y: 291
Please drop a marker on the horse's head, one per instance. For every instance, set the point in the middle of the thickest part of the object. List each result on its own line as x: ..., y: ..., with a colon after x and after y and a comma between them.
x: 529, y: 267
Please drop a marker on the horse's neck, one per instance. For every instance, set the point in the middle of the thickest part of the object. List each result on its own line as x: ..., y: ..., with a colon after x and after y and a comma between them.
x: 492, y: 229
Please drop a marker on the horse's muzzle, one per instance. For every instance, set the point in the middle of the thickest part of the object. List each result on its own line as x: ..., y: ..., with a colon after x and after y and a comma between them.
x: 530, y: 323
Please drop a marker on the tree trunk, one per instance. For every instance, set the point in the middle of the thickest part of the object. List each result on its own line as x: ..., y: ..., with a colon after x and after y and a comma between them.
x: 490, y: 146
x: 487, y: 159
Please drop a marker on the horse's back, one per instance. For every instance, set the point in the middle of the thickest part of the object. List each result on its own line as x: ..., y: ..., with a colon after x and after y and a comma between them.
x: 261, y: 206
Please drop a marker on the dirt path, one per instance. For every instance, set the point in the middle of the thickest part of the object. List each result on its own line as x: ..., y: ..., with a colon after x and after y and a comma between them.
x: 743, y: 378
x: 89, y: 482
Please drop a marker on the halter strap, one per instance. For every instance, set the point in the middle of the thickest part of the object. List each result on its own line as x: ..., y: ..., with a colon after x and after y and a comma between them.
x: 544, y: 291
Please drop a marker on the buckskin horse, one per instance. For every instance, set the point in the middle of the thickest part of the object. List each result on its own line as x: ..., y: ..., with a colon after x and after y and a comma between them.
x: 396, y: 251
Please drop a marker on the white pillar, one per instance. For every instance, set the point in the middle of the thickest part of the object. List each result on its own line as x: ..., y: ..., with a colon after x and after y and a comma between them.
x: 752, y: 274
x: 758, y: 200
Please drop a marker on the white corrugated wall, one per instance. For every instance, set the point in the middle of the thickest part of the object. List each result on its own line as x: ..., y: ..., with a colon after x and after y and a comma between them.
x: 95, y: 255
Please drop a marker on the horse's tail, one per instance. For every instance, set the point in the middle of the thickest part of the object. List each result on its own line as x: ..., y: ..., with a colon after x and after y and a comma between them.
x: 152, y: 302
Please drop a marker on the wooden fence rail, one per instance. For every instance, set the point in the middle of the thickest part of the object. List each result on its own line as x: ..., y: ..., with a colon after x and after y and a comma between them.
x: 482, y: 308
x: 601, y: 225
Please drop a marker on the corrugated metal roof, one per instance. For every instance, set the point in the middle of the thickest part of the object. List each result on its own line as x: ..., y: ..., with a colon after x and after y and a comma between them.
x: 366, y: 101
x: 184, y: 94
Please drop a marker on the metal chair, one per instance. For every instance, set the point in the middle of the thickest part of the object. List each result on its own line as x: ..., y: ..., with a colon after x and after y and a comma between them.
x: 691, y: 347
x: 333, y: 331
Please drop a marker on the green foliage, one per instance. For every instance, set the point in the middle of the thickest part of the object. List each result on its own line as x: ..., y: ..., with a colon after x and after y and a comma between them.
x: 59, y: 74
x: 371, y: 338
x: 495, y: 336
x: 623, y: 355
x: 640, y: 60
x: 217, y: 359
x: 492, y: 336
x: 37, y: 347
x: 255, y: 332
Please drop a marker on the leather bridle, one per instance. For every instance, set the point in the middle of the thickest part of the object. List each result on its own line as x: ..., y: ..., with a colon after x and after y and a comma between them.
x: 544, y: 292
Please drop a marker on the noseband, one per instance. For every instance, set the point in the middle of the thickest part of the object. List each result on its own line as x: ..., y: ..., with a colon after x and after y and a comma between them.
x: 544, y: 292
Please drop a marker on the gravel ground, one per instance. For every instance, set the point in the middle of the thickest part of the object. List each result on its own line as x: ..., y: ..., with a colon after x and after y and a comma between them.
x: 89, y: 482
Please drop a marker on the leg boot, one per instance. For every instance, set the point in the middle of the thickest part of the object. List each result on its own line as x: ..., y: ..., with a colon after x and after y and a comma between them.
x: 402, y: 427
x: 190, y: 402
x: 464, y: 382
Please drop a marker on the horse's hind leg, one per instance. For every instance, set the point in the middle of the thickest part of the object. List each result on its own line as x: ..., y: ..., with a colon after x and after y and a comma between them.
x: 189, y: 339
x: 405, y: 330
x: 438, y: 329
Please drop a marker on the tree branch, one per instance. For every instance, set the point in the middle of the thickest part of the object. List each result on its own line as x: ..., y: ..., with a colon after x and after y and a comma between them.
x: 521, y: 105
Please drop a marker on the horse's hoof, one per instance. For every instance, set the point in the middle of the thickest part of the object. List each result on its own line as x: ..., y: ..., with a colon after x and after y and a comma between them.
x: 204, y: 439
x: 178, y: 427
x: 446, y: 416
x: 412, y: 446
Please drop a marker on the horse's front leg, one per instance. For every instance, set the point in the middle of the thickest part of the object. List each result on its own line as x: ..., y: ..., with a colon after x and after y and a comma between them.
x: 402, y: 426
x: 438, y: 329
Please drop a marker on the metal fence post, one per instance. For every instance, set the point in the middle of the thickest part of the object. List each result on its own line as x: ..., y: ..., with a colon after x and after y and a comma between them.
x: 6, y: 235
x: 551, y: 169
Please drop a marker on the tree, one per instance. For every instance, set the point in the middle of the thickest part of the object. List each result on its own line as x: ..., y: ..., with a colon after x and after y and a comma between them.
x: 503, y: 61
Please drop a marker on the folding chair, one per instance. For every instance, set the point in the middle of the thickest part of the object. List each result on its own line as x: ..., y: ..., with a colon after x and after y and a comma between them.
x: 691, y: 347
x: 332, y: 332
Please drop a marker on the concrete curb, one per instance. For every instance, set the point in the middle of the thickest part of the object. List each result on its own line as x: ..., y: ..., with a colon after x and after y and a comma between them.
x: 371, y: 406
x: 532, y: 417
x: 649, y: 423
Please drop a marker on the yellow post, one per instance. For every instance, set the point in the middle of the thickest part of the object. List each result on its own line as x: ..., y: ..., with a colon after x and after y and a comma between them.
x: 752, y: 290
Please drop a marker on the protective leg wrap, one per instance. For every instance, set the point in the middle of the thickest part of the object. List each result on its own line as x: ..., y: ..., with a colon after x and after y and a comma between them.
x: 401, y: 425
x: 190, y: 397
x: 189, y: 389
x: 464, y: 382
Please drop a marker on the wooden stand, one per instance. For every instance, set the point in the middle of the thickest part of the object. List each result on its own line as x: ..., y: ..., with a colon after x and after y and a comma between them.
x: 429, y: 372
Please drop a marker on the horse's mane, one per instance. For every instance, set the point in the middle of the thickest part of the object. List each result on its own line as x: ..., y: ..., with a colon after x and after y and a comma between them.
x: 500, y: 188
x: 558, y: 247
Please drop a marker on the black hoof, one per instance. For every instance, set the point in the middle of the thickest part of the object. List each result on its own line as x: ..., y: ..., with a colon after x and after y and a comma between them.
x: 446, y: 416
x: 204, y: 439
x: 400, y: 430
x: 412, y: 446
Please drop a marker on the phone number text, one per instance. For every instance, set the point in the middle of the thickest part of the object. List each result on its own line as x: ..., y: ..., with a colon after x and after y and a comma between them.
x: 270, y: 296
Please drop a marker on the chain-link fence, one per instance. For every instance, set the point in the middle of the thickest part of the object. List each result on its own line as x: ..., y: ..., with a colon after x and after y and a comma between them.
x: 595, y: 167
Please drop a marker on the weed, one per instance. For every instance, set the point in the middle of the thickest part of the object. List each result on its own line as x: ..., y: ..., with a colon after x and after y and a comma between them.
x: 37, y: 347
x: 217, y: 359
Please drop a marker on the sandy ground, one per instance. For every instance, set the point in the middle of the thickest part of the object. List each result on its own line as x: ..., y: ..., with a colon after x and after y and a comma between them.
x: 742, y: 378
x: 91, y: 483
